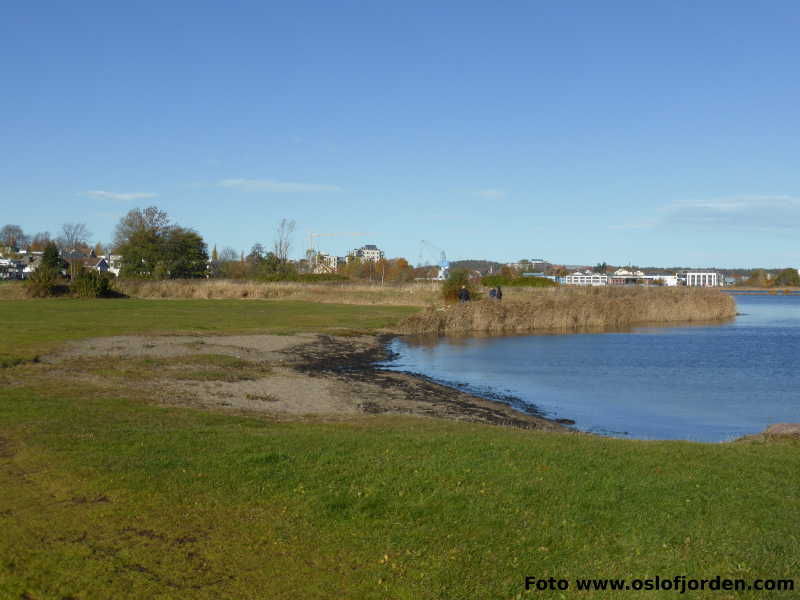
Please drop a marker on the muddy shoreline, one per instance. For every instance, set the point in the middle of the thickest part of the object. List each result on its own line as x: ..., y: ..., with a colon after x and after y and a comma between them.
x: 299, y: 377
x: 356, y: 362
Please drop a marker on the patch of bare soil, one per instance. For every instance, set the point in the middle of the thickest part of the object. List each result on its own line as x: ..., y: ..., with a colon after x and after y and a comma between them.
x: 254, y: 347
x: 306, y: 375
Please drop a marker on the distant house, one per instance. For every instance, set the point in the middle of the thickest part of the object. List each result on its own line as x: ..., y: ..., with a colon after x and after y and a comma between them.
x: 114, y: 262
x: 11, y: 269
x: 31, y: 265
x: 95, y: 263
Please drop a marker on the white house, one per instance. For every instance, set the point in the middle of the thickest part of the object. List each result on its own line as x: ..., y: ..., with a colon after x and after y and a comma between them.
x: 114, y: 262
x: 11, y: 269
x: 95, y: 263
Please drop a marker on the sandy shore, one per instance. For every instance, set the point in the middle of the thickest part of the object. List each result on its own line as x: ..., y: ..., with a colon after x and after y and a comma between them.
x: 292, y: 377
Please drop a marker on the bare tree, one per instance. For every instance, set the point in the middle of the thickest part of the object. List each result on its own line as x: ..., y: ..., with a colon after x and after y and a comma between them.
x: 228, y: 254
x: 283, y: 240
x: 12, y: 235
x: 40, y: 240
x: 73, y: 236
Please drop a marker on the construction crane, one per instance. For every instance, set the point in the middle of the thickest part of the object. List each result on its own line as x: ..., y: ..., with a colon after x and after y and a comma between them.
x: 444, y: 264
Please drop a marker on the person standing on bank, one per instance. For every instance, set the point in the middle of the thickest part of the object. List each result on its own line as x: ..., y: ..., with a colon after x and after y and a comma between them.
x: 493, y: 293
x: 463, y: 294
x: 499, y: 293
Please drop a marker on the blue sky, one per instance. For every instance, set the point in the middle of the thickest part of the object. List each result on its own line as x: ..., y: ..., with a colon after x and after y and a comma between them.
x: 650, y: 133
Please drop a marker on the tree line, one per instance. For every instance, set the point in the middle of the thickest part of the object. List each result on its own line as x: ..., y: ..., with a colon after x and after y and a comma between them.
x: 152, y: 246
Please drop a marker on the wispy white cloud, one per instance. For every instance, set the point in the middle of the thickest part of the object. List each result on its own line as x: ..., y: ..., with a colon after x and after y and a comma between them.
x: 762, y: 213
x: 491, y: 194
x: 104, y: 195
x: 270, y: 185
x: 741, y: 212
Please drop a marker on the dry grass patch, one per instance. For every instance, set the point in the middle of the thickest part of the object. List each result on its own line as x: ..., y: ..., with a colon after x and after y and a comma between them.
x: 566, y: 309
x: 12, y: 290
x: 411, y: 294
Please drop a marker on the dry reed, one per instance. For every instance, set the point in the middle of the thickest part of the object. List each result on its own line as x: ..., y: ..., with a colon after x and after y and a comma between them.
x: 411, y: 294
x: 12, y: 290
x: 565, y: 309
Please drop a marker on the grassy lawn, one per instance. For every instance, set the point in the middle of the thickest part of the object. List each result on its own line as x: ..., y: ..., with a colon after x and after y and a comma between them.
x: 106, y: 496
x: 33, y: 326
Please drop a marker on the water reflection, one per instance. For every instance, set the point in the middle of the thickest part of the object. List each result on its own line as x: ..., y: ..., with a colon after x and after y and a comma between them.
x: 700, y: 381
x: 431, y: 340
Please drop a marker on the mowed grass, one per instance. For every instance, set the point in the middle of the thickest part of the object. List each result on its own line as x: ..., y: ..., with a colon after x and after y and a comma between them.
x: 110, y: 498
x: 103, y: 495
x: 34, y: 326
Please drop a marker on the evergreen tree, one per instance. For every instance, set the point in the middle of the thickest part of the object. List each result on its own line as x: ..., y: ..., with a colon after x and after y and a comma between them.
x: 51, y: 258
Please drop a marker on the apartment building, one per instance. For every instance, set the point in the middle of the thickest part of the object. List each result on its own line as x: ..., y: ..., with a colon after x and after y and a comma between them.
x: 369, y: 252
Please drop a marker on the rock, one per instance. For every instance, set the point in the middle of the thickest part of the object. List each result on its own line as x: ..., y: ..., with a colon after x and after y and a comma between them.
x: 783, y: 430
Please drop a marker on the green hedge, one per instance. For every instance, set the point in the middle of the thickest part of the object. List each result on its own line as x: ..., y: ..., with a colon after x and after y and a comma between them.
x: 495, y: 280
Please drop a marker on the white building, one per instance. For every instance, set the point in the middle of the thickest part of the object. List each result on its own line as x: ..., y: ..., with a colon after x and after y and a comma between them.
x: 626, y: 277
x: 325, y: 263
x: 114, y: 262
x: 369, y: 252
x: 666, y: 280
x: 699, y: 279
x: 585, y: 278
x: 11, y: 269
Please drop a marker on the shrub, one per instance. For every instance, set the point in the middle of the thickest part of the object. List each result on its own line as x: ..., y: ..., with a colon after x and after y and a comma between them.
x: 495, y: 280
x: 452, y: 286
x: 43, y: 283
x: 788, y: 277
x: 91, y: 284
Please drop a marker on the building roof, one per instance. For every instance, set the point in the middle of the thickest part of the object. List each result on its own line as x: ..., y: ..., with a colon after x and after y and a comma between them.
x: 92, y: 262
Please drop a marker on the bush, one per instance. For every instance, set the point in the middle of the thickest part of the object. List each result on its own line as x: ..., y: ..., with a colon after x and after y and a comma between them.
x: 788, y: 277
x: 44, y: 282
x: 453, y: 283
x: 91, y: 284
x: 495, y: 280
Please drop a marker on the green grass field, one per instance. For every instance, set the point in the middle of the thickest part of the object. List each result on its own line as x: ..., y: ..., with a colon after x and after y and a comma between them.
x: 106, y: 496
x: 35, y: 326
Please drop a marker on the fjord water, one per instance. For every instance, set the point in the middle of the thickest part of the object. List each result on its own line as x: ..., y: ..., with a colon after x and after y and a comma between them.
x: 705, y: 383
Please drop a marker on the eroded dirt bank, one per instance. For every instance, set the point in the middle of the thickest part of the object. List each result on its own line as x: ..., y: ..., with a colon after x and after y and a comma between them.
x: 287, y: 377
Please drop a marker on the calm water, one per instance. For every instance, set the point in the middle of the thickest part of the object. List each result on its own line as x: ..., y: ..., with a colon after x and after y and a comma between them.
x: 707, y: 383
